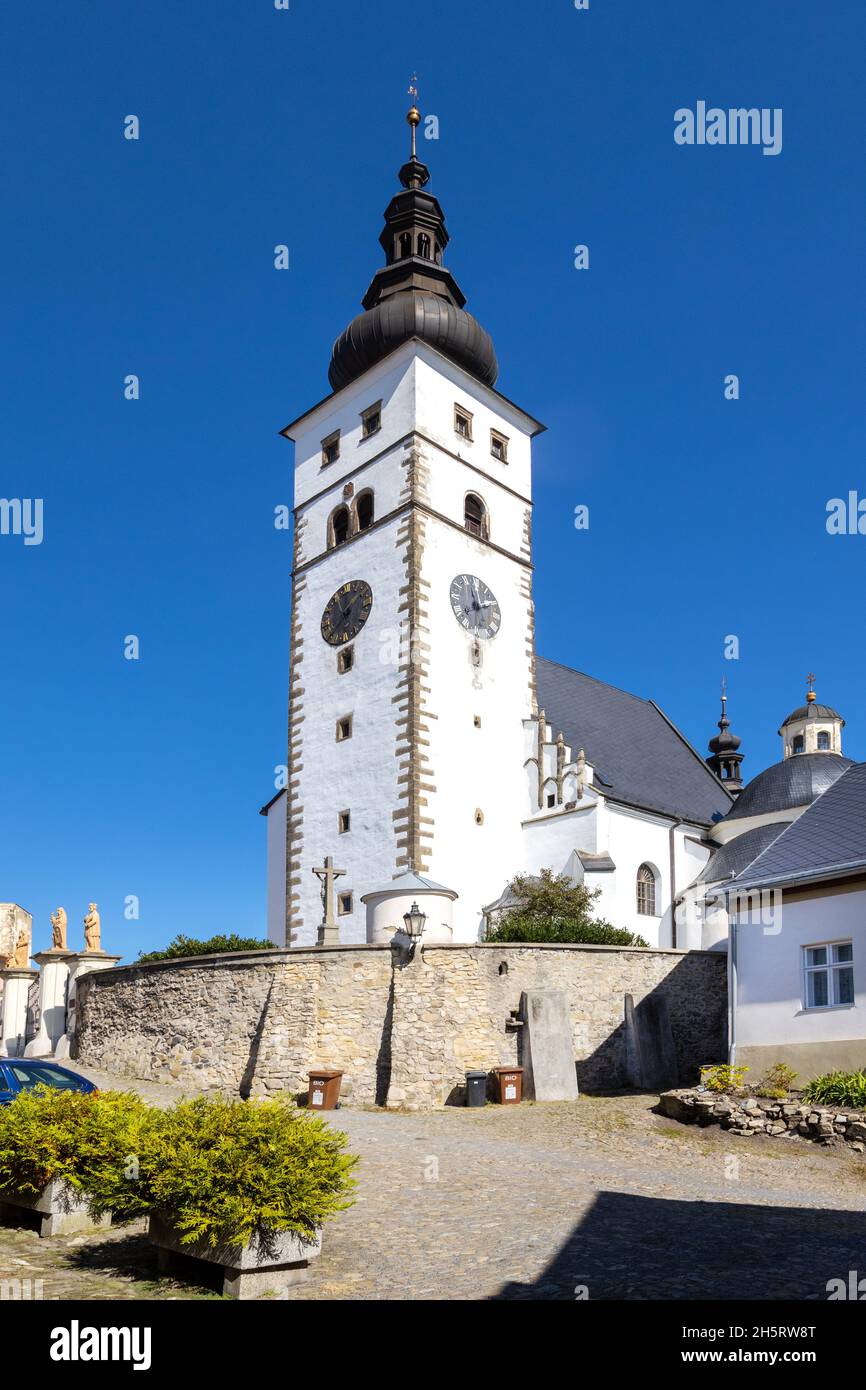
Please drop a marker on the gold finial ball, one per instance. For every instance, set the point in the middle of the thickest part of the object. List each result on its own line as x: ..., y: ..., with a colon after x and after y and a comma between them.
x: 414, y: 116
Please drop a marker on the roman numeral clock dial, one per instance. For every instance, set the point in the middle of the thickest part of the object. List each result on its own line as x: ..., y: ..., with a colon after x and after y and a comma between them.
x: 475, y: 606
x: 346, y: 612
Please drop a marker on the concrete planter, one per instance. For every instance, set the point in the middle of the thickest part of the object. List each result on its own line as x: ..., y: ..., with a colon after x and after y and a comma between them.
x: 248, y: 1272
x: 61, y: 1208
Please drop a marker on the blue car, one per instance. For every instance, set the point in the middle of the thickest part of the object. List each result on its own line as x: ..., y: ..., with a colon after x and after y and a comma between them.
x: 19, y: 1074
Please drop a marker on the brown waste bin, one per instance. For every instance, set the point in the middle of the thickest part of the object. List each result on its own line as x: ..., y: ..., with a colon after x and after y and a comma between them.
x: 510, y: 1080
x: 324, y: 1090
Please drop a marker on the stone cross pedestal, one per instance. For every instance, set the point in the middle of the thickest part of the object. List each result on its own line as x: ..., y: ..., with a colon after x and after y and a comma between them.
x: 13, y: 1004
x: 52, y: 1001
x: 329, y: 931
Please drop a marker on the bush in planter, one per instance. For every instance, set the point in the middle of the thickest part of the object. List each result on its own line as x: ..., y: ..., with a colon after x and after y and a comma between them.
x: 90, y: 1142
x: 226, y: 1171
x: 723, y: 1079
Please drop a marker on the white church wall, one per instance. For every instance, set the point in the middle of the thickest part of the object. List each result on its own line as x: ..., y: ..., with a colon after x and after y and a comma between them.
x: 276, y: 818
x: 360, y: 773
x: 477, y: 768
x: 392, y: 382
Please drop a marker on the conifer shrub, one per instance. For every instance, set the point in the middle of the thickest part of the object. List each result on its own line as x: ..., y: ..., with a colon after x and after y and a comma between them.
x: 227, y: 1171
x: 87, y: 1141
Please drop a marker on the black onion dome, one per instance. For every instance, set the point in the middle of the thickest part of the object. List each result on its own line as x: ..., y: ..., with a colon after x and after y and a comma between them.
x: 795, y: 781
x: 414, y: 294
x: 410, y: 314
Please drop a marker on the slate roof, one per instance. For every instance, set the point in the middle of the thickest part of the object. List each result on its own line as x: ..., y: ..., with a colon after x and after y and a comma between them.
x: 730, y: 859
x: 826, y: 841
x: 795, y: 781
x: 637, y: 754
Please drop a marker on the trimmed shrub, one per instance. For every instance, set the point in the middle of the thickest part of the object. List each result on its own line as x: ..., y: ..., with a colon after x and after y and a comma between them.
x: 89, y: 1142
x: 226, y: 1171
x: 838, y: 1088
x: 549, y: 907
x: 190, y: 946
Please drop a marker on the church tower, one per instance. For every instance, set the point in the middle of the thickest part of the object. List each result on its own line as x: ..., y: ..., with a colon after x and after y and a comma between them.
x: 725, y: 757
x: 412, y: 654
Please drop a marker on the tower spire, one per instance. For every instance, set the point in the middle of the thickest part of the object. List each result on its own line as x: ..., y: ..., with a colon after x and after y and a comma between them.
x: 725, y: 759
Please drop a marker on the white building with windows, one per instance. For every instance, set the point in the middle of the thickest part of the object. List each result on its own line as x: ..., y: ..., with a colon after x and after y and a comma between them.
x: 797, y: 958
x: 429, y: 745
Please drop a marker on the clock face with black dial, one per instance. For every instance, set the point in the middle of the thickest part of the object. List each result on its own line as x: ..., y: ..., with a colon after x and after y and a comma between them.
x: 346, y: 612
x: 475, y: 606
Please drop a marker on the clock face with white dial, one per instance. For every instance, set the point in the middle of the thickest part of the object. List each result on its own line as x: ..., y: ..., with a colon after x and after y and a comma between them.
x: 475, y: 606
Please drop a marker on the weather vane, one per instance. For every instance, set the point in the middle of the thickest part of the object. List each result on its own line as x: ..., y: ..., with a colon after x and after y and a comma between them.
x: 414, y: 116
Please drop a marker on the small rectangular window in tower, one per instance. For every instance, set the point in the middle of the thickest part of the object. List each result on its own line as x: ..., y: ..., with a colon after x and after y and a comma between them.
x: 331, y: 448
x: 476, y: 720
x: 345, y: 660
x: 344, y: 904
x: 499, y: 446
x: 551, y: 798
x: 344, y: 728
x: 371, y: 419
x: 463, y: 422
x: 344, y: 820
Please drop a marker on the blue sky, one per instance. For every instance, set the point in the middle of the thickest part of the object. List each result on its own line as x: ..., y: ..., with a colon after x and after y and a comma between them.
x: 155, y: 257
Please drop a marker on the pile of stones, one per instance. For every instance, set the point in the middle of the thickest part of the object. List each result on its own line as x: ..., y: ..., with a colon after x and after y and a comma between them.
x: 787, y: 1118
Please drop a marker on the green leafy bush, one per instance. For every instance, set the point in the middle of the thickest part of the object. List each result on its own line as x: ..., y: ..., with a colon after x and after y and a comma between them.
x: 190, y: 946
x: 777, y: 1082
x: 89, y: 1142
x: 838, y: 1088
x: 722, y: 1079
x: 550, y: 907
x: 224, y: 1171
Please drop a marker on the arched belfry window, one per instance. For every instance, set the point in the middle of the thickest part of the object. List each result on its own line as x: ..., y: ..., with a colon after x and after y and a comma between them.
x: 339, y: 527
x: 646, y: 891
x: 799, y: 744
x: 824, y: 741
x: 424, y: 246
x: 405, y: 244
x: 364, y: 510
x: 475, y: 516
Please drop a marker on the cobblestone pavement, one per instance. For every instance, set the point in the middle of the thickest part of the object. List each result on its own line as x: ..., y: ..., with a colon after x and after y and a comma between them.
x: 538, y: 1202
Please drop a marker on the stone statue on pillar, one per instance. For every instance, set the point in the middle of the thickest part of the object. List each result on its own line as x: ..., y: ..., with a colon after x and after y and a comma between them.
x: 58, y: 929
x: 329, y: 932
x: 21, y: 956
x: 92, y: 930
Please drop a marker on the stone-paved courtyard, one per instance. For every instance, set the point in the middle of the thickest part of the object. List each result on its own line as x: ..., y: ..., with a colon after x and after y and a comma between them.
x: 533, y: 1202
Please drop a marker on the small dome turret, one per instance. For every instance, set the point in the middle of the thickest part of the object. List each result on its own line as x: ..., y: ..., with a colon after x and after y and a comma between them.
x: 812, y: 728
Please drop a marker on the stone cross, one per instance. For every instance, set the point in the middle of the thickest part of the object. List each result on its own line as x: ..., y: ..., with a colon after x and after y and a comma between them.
x: 329, y: 932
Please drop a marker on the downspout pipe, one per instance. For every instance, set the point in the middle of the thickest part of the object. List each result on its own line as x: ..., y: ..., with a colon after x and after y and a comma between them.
x: 673, y: 872
x: 733, y: 925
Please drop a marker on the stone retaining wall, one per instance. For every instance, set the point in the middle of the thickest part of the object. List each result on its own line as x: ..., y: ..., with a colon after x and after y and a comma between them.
x: 830, y: 1126
x: 257, y: 1021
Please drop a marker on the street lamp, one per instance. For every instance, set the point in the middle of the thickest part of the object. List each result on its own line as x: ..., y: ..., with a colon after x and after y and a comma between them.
x: 413, y: 921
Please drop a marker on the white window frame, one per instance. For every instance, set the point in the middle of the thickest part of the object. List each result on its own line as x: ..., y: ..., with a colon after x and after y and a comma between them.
x: 831, y: 970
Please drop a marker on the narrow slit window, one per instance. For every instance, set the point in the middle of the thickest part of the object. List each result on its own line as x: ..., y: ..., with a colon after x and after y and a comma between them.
x: 344, y: 904
x: 462, y: 422
x: 344, y: 728
x: 331, y: 448
x: 345, y: 822
x: 345, y: 660
x: 499, y: 446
